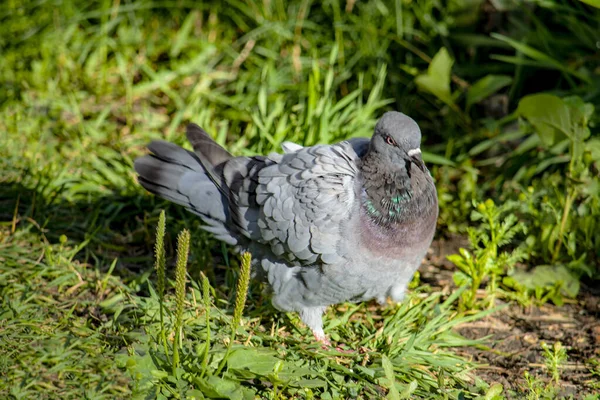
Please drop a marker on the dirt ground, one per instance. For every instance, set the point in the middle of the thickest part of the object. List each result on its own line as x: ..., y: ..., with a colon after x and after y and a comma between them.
x: 516, y: 333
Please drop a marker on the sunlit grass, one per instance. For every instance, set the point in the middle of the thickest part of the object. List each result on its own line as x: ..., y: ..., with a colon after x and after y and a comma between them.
x: 85, y: 85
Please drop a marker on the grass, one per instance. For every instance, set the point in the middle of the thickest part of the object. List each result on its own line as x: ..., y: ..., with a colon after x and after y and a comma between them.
x: 87, y: 84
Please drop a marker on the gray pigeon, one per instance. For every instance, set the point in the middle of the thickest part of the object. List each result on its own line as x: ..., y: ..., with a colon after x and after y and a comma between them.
x: 325, y: 224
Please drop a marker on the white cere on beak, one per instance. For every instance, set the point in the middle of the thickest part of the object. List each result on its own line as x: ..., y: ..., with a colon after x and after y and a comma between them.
x: 413, y: 152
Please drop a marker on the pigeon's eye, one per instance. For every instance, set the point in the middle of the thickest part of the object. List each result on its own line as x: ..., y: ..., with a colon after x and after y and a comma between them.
x: 390, y: 141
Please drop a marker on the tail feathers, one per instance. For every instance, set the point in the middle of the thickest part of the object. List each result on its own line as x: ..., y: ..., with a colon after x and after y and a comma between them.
x: 176, y: 174
x: 209, y: 151
x: 174, y: 154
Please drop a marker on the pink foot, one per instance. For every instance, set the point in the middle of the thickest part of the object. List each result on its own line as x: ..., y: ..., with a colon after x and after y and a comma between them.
x: 326, y: 344
x: 324, y: 340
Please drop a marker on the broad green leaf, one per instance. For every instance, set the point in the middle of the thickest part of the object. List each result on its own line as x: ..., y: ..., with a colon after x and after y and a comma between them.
x: 593, y: 146
x: 292, y: 374
x: 367, y: 371
x: 437, y: 79
x: 548, y: 276
x: 141, y: 367
x: 485, y: 87
x: 593, y: 3
x: 581, y: 113
x: 549, y: 114
x: 252, y: 360
x: 310, y: 383
x: 388, y: 368
x: 216, y: 387
x: 194, y: 394
x: 494, y: 392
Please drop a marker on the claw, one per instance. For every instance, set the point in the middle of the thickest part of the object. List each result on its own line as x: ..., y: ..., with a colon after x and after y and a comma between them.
x: 323, y: 339
x: 326, y: 344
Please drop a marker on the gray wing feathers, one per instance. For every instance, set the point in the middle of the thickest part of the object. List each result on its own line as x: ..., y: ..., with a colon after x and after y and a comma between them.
x: 209, y: 151
x: 177, y: 175
x: 290, y: 147
x: 240, y: 176
x: 292, y: 203
x: 303, y: 199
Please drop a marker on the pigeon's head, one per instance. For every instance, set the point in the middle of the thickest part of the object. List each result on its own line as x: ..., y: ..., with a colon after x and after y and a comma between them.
x: 397, y: 137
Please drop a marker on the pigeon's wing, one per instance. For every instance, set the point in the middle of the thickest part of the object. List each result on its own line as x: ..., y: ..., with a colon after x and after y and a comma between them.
x: 360, y: 146
x: 295, y: 203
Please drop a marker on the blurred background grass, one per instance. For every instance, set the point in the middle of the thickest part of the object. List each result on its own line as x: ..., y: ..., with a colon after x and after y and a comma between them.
x: 85, y: 85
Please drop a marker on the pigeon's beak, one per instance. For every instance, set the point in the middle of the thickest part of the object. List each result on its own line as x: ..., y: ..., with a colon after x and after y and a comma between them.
x: 415, y: 158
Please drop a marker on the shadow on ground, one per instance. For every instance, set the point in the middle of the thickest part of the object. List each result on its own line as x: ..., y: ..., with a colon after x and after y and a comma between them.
x: 114, y: 226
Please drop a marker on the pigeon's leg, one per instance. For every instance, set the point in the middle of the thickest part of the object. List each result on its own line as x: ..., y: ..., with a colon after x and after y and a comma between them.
x: 397, y: 291
x: 313, y: 318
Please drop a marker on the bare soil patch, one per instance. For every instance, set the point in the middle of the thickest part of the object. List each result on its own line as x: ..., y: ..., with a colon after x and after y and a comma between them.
x: 516, y: 334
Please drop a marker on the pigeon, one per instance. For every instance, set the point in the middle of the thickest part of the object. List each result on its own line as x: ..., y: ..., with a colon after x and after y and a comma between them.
x: 325, y: 224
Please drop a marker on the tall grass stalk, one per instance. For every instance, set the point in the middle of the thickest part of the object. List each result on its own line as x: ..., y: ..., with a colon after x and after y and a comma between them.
x: 240, y: 302
x: 159, y: 264
x: 206, y: 301
x: 183, y: 245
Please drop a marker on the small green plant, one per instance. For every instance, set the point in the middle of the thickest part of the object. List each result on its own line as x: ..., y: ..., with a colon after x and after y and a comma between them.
x: 594, y: 368
x: 486, y: 263
x: 554, y: 357
x: 560, y: 203
x: 207, y: 375
x: 562, y: 124
x: 541, y: 284
x: 537, y: 389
